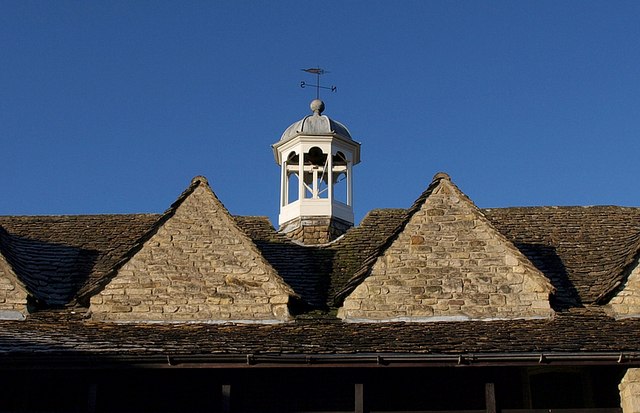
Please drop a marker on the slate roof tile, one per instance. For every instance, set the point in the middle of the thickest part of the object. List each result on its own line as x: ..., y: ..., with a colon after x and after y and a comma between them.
x: 585, y: 251
x: 584, y: 331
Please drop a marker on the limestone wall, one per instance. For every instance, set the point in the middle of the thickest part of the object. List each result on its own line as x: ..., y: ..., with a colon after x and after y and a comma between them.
x: 449, y: 263
x: 626, y: 303
x: 197, y: 267
x: 630, y: 391
x: 13, y: 296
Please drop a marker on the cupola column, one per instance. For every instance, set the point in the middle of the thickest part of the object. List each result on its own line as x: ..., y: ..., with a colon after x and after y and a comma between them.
x: 300, y: 177
x: 329, y: 177
x: 349, y: 186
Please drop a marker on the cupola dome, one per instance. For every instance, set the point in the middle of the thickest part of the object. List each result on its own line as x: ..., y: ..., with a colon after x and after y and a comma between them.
x: 315, y: 124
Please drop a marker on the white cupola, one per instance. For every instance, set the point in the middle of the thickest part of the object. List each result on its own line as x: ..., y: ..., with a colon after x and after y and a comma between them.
x: 316, y: 155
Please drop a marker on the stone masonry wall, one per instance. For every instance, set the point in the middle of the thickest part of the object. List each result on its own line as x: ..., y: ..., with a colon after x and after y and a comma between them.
x: 315, y: 230
x: 626, y: 303
x: 13, y: 297
x: 630, y: 391
x: 449, y: 263
x: 198, y: 267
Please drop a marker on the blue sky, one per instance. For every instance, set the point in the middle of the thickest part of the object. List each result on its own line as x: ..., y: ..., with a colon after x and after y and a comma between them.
x: 113, y: 106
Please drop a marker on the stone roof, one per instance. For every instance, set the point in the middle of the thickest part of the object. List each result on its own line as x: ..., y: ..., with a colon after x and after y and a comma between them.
x: 586, y: 253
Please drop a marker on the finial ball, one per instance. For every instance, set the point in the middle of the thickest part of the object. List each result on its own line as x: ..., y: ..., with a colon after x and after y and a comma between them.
x: 442, y: 175
x: 317, y: 106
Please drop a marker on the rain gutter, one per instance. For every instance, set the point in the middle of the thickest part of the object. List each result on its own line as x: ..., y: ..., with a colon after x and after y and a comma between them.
x: 363, y: 360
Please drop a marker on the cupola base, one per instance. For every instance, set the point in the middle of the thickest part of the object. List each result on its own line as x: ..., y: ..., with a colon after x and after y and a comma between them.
x: 314, y: 230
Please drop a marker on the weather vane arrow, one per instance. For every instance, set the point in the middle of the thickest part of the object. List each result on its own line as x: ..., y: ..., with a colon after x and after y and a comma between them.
x: 317, y: 71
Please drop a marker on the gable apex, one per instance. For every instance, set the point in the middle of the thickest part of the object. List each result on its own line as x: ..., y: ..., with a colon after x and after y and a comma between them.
x: 441, y: 183
x: 195, y: 182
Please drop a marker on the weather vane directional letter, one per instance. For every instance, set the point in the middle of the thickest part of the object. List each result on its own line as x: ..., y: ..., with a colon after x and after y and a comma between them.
x: 317, y: 71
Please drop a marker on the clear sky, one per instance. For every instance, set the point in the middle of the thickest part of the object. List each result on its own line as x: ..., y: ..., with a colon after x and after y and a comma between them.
x: 113, y: 106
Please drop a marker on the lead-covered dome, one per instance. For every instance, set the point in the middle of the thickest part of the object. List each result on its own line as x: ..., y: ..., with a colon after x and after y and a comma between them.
x: 315, y: 124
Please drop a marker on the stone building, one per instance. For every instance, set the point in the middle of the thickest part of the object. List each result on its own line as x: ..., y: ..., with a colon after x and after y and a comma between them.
x: 438, y: 307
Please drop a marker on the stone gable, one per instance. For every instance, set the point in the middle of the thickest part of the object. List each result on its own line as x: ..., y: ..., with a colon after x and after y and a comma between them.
x: 626, y: 303
x: 197, y: 267
x: 13, y: 296
x: 449, y: 263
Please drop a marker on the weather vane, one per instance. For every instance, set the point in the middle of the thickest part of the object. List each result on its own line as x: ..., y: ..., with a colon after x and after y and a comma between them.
x: 317, y: 71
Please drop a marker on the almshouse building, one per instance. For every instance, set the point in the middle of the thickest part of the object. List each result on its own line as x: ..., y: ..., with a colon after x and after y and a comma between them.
x: 438, y: 307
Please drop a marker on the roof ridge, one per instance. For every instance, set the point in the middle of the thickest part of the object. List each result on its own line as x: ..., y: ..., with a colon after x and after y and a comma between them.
x: 557, y: 207
x: 67, y: 216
